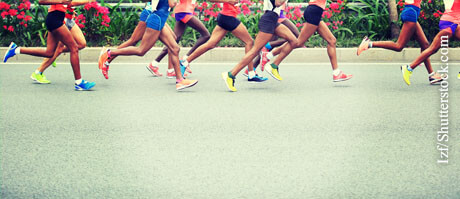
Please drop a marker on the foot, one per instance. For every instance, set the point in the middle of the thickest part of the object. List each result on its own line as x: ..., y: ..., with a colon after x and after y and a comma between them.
x: 172, y: 75
x: 263, y: 58
x: 436, y: 78
x: 363, y: 46
x: 274, y: 72
x: 230, y: 82
x: 458, y: 75
x: 39, y: 78
x: 154, y: 70
x: 185, y: 83
x: 10, y: 52
x: 84, y: 85
x: 187, y: 68
x: 341, y: 77
x: 54, y: 64
x: 246, y: 73
x: 103, y: 62
x: 257, y: 79
x: 406, y: 74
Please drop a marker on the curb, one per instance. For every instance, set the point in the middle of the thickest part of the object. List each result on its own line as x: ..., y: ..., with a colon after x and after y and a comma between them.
x: 310, y: 55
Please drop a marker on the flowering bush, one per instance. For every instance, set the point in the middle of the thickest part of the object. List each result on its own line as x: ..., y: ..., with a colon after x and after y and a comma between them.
x: 93, y: 21
x: 15, y: 20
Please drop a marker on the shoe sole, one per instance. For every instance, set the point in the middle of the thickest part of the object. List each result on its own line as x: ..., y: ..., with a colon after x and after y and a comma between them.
x: 81, y: 89
x: 151, y: 71
x: 224, y: 77
x: 342, y: 80
x: 6, y: 53
x: 36, y: 81
x: 188, y: 86
x: 435, y: 82
x: 170, y: 77
x: 402, y: 72
x: 271, y: 74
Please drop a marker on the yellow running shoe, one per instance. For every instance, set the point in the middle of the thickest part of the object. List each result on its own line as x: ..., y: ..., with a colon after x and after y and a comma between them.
x: 406, y: 74
x: 39, y: 78
x: 458, y: 75
x: 272, y: 69
x: 230, y: 82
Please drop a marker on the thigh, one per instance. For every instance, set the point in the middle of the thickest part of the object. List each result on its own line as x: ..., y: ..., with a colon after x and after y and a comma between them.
x: 63, y: 34
x: 179, y: 29
x: 407, y: 31
x: 217, y: 34
x: 285, y: 33
x: 307, y: 31
x: 324, y: 32
x: 197, y: 25
x: 419, y: 34
x: 167, y: 37
x: 77, y: 34
x: 242, y: 33
x: 288, y: 23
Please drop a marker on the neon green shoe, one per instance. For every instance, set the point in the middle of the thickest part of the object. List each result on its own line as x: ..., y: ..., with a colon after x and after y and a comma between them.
x: 54, y: 64
x: 39, y: 78
x: 272, y: 69
x: 406, y: 74
x: 230, y: 82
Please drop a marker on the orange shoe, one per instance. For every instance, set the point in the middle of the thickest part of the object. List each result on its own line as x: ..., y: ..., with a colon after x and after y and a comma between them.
x: 363, y: 46
x: 185, y: 83
x: 103, y: 62
x: 341, y: 77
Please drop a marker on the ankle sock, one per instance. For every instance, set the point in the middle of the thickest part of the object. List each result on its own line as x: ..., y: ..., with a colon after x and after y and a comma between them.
x: 268, y: 46
x: 38, y: 72
x: 274, y: 66
x: 230, y: 75
x: 78, y: 81
x: 370, y: 44
x: 171, y: 70
x: 251, y: 74
x: 336, y: 72
x: 17, y: 51
x: 155, y: 63
x: 270, y: 55
x: 409, y: 68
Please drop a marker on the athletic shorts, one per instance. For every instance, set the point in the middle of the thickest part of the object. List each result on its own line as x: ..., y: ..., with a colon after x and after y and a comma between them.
x: 69, y: 23
x: 268, y: 22
x: 144, y: 15
x: 183, y: 16
x: 228, y: 23
x: 447, y: 24
x: 54, y: 20
x: 410, y: 13
x: 313, y: 14
x: 282, y: 17
x: 157, y: 20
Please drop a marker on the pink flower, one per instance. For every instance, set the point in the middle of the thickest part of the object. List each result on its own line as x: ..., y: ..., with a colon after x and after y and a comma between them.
x: 297, y: 25
x: 4, y: 14
x: 4, y: 6
x: 5, y: 27
x: 13, y: 12
x: 27, y: 18
x: 334, y: 6
x: 11, y: 29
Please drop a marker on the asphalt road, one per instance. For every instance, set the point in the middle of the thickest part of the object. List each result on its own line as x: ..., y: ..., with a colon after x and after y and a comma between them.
x: 134, y: 136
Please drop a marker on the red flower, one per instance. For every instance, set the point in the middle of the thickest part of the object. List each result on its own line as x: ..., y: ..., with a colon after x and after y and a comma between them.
x: 27, y: 18
x: 334, y: 6
x: 25, y: 25
x: 5, y: 27
x: 4, y: 6
x: 206, y: 19
x: 10, y: 28
x: 4, y: 14
x: 13, y: 12
x: 297, y: 25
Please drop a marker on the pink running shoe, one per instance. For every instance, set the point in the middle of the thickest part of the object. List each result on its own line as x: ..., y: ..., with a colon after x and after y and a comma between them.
x: 341, y: 77
x: 154, y: 70
x: 172, y: 75
x: 363, y: 46
x: 246, y: 73
x: 263, y: 58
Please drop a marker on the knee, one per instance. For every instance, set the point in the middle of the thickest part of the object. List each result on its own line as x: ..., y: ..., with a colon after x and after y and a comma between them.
x: 206, y: 37
x: 82, y: 45
x: 399, y: 48
x: 249, y: 43
x: 175, y: 49
x: 73, y: 48
x: 332, y: 41
x: 424, y: 45
x: 141, y: 52
x: 210, y: 45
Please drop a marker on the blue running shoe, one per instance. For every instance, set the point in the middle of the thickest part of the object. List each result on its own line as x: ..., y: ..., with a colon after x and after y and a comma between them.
x: 10, y: 52
x: 182, y: 67
x: 257, y: 79
x: 84, y: 85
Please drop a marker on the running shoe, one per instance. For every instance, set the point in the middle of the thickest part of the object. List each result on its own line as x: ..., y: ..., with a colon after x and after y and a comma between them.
x: 40, y: 78
x: 341, y: 77
x: 458, y: 75
x: 274, y: 72
x: 54, y: 64
x: 84, y: 85
x: 10, y: 52
x: 406, y: 74
x: 257, y: 79
x: 436, y: 78
x: 246, y: 73
x: 185, y: 83
x: 230, y: 82
x: 263, y: 58
x: 363, y: 46
x: 154, y: 70
x: 187, y: 68
x: 103, y: 63
x: 172, y: 75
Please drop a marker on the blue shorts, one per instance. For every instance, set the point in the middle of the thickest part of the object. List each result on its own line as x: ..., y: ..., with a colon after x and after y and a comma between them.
x: 410, y: 13
x: 447, y: 24
x: 157, y: 20
x: 144, y: 15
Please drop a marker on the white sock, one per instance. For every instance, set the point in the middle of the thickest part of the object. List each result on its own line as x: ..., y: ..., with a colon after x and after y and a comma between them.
x: 370, y: 44
x: 155, y: 63
x: 17, y: 51
x: 270, y: 55
x: 251, y: 74
x: 171, y: 70
x: 431, y: 74
x: 185, y: 57
x: 336, y: 72
x: 38, y: 72
x: 78, y: 81
x: 185, y: 62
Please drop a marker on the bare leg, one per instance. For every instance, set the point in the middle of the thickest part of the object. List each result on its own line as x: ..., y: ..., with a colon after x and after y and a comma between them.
x: 179, y: 30
x: 168, y: 38
x: 196, y: 24
x: 327, y: 35
x: 261, y: 39
x: 217, y: 34
x: 434, y: 47
x: 242, y: 33
x: 407, y: 30
x: 148, y: 41
x: 423, y: 42
x: 135, y: 37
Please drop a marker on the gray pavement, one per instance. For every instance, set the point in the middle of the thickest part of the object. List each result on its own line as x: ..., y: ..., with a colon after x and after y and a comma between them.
x: 134, y: 136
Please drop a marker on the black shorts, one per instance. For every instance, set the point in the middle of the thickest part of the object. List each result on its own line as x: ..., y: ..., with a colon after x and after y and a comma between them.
x: 228, y: 23
x: 313, y: 14
x: 268, y: 22
x: 54, y: 20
